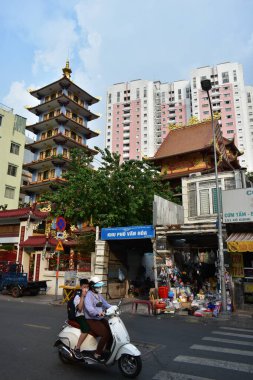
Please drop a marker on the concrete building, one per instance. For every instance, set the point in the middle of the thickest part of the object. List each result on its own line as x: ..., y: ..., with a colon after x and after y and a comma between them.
x: 139, y: 112
x: 12, y: 142
x: 229, y: 99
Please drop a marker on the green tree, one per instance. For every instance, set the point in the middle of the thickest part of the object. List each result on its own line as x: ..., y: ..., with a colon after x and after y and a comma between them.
x: 116, y: 194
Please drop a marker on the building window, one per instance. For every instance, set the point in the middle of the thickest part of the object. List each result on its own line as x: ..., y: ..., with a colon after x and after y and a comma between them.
x: 192, y: 199
x: 1, y: 118
x: 14, y: 148
x: 118, y: 97
x: 12, y: 170
x: 145, y: 92
x: 235, y: 75
x: 225, y: 77
x: 248, y: 98
x: 137, y: 93
x: 9, y: 192
x: 109, y: 98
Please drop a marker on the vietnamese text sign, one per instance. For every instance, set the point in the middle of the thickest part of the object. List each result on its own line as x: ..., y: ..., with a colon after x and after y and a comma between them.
x: 237, y: 205
x: 133, y: 232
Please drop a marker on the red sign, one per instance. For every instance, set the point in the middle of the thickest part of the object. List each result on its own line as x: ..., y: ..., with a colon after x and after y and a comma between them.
x: 60, y: 223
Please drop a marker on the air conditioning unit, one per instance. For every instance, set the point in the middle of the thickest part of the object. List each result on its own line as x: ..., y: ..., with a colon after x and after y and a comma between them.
x: 197, y: 174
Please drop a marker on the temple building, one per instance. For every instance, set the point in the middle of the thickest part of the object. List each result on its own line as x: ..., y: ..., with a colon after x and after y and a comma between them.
x: 63, y: 114
x: 189, y: 149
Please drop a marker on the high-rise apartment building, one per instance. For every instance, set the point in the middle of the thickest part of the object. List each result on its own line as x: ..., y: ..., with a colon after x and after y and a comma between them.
x: 140, y: 112
x: 12, y: 142
x: 229, y: 98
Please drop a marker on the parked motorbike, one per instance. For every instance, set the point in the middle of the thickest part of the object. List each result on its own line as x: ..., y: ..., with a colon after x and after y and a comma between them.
x: 121, y: 350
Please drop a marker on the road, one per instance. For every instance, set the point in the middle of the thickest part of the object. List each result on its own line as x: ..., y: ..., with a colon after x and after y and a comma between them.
x: 173, y: 348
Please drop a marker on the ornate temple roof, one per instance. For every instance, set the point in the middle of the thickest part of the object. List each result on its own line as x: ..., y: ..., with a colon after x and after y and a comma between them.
x: 192, y: 138
x: 22, y: 213
x: 64, y: 82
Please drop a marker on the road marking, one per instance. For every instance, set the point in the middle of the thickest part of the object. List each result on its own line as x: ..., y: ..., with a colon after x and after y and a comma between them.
x: 166, y: 375
x: 221, y: 349
x: 242, y: 367
x: 37, y: 326
x: 236, y: 329
x: 233, y: 334
x: 241, y: 342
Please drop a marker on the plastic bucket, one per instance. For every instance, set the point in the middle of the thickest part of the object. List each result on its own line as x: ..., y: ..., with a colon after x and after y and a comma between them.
x: 163, y: 291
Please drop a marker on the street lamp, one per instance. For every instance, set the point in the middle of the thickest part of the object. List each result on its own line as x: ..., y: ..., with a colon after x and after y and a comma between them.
x: 206, y: 86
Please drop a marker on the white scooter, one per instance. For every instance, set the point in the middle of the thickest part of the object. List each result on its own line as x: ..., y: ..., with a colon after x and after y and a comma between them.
x: 122, y: 351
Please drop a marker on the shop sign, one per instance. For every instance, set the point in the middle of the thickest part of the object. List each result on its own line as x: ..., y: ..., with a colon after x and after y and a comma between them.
x: 132, y: 232
x: 237, y: 205
x: 237, y: 267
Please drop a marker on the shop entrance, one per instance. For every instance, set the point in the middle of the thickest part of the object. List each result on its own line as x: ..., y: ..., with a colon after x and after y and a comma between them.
x: 130, y: 268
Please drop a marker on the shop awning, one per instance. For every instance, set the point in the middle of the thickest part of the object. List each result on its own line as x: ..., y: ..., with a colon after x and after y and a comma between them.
x: 240, y: 242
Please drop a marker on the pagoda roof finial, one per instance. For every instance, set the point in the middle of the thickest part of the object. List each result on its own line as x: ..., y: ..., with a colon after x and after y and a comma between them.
x: 67, y: 70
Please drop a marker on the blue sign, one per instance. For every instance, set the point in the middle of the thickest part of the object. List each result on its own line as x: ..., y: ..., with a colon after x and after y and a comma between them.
x: 132, y: 232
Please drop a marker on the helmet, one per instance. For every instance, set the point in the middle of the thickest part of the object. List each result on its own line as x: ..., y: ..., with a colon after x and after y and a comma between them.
x: 95, y: 282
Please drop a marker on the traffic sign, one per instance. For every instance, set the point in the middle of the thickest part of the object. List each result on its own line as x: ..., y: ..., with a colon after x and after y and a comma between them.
x: 59, y: 235
x: 59, y: 246
x: 60, y: 223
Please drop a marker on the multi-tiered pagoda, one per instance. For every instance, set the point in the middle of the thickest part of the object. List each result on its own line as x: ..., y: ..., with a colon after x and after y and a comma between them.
x: 63, y: 124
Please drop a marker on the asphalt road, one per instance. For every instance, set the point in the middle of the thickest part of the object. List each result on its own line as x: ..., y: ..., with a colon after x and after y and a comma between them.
x: 172, y: 348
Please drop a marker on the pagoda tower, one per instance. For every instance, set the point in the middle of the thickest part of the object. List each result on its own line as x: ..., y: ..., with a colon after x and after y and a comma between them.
x: 63, y: 114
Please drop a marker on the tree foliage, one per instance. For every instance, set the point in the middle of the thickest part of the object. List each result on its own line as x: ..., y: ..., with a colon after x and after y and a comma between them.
x: 116, y: 194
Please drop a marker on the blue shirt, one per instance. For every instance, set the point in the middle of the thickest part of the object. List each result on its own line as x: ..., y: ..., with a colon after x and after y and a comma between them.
x: 92, y: 309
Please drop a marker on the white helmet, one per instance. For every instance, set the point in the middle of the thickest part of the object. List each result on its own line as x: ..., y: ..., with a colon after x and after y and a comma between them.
x: 96, y: 282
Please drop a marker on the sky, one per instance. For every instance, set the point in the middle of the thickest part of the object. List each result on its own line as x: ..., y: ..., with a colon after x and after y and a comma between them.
x: 111, y: 41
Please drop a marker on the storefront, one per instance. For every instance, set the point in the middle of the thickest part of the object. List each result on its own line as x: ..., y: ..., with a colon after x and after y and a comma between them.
x: 130, y: 260
x: 238, y: 215
x: 189, y: 258
x: 240, y: 246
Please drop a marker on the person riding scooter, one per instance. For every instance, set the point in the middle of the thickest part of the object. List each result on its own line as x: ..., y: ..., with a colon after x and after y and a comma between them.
x: 80, y: 318
x: 94, y: 311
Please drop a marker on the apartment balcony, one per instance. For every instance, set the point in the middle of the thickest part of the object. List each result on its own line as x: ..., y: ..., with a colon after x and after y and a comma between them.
x: 126, y: 141
x: 126, y: 121
x: 126, y: 128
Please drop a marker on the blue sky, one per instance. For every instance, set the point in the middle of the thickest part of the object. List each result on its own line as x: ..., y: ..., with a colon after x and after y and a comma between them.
x: 110, y: 41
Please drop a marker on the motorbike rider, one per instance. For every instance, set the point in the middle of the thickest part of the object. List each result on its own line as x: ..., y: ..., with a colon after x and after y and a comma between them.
x: 80, y: 318
x: 94, y: 312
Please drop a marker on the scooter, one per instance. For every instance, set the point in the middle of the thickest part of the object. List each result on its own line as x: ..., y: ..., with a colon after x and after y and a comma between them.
x: 121, y: 350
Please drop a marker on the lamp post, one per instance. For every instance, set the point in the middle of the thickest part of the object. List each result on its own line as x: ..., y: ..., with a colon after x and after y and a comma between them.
x: 206, y: 86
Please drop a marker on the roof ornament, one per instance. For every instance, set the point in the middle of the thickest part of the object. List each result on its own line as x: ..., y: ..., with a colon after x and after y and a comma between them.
x: 67, y: 70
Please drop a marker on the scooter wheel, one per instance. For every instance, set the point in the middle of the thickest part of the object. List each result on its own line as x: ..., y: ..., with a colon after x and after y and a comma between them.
x: 130, y: 366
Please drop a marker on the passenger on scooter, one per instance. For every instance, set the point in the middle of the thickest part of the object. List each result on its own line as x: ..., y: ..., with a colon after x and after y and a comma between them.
x: 94, y: 312
x: 80, y: 318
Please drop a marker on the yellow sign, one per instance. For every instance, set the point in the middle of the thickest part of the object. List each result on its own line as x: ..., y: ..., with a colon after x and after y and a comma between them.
x: 248, y: 287
x: 240, y: 246
x: 237, y: 265
x: 59, y: 246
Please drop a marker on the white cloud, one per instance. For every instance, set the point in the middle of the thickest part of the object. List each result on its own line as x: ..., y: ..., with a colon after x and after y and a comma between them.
x: 57, y: 42
x: 19, y: 97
